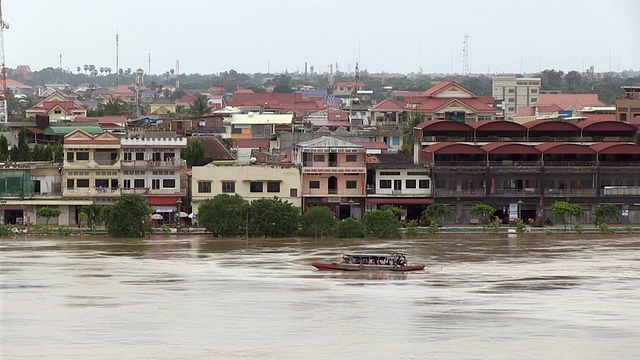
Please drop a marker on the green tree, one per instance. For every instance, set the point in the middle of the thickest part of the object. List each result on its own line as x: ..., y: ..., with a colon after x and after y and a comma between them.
x: 200, y: 106
x: 4, y: 148
x: 115, y: 107
x: 93, y: 215
x: 23, y: 153
x: 223, y: 215
x: 396, y: 211
x: 273, y: 218
x: 47, y: 154
x: 128, y: 217
x: 82, y: 218
x: 566, y: 210
x: 194, y: 154
x: 436, y: 212
x: 383, y: 224
x: 350, y: 228
x: 318, y: 220
x: 607, y: 212
x: 48, y: 213
x: 483, y: 211
x: 407, y: 132
x: 58, y: 155
x: 283, y: 83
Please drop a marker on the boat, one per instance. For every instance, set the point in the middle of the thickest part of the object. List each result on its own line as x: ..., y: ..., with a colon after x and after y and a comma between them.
x: 356, y: 262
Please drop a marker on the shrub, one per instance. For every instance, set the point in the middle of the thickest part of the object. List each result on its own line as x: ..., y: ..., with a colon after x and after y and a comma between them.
x: 628, y: 229
x: 165, y: 229
x: 578, y: 228
x: 412, y: 227
x: 520, y: 227
x: 63, y: 230
x: 605, y: 228
x: 318, y: 220
x: 495, y: 226
x: 383, y: 224
x: 350, y: 228
x: 549, y: 232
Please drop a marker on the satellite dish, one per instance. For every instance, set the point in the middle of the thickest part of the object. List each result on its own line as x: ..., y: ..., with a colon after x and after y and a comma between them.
x: 253, y: 160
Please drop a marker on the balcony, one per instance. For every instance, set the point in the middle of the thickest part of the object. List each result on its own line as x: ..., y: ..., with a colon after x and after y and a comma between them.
x: 153, y: 164
x: 515, y: 192
x: 621, y: 190
x: 105, y: 162
x: 456, y: 193
x: 145, y: 191
x: 570, y: 192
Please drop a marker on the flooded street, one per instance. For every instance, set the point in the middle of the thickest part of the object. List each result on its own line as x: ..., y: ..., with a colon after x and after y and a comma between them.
x: 197, y: 297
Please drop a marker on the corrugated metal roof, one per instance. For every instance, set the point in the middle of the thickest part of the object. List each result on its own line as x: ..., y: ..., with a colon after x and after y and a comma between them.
x: 328, y: 142
x: 64, y: 130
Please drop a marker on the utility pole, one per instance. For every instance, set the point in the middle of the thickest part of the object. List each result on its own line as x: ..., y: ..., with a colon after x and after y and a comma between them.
x: 4, y: 108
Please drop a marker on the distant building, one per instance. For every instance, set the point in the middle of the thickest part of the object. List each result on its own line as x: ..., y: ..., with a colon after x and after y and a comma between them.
x: 628, y: 107
x: 512, y: 93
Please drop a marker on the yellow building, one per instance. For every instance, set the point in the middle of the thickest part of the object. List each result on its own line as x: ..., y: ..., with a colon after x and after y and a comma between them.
x: 162, y: 107
x: 249, y: 181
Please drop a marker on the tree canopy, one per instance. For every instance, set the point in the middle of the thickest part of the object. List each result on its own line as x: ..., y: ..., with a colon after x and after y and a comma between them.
x: 566, y: 210
x: 127, y: 218
x: 382, y: 223
x: 223, y: 215
x: 436, y: 212
x: 194, y: 154
x: 318, y: 220
x: 48, y: 213
x: 273, y: 218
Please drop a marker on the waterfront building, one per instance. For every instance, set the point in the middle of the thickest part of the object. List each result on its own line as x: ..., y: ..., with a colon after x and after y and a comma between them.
x: 333, y: 174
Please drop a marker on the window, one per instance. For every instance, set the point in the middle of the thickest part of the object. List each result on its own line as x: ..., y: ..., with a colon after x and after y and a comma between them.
x: 228, y: 187
x: 255, y: 186
x: 534, y: 91
x: 169, y: 183
x: 424, y: 184
x: 511, y: 91
x: 389, y: 173
x: 534, y: 100
x: 168, y: 156
x: 70, y: 156
x: 114, y: 183
x: 397, y: 184
x: 352, y: 158
x: 511, y: 108
x: 138, y: 183
x: 127, y: 156
x: 318, y: 158
x: 139, y: 156
x: 410, y: 184
x: 204, y: 186
x: 57, y: 111
x: 385, y: 184
x: 82, y: 183
x: 395, y: 140
x: 179, y: 125
x: 155, y: 184
x: 511, y: 100
x: 314, y: 184
x: 70, y: 183
x: 104, y: 183
x: 293, y: 192
x: 127, y: 183
x: 273, y: 186
x: 351, y: 184
x: 82, y: 155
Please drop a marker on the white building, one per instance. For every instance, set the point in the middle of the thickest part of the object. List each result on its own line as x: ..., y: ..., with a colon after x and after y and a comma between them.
x: 514, y: 92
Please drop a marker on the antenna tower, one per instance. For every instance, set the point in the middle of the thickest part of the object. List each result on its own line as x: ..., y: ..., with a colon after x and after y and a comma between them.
x: 465, y: 55
x: 177, y: 74
x: 331, y: 85
x: 4, y: 109
x: 117, y: 68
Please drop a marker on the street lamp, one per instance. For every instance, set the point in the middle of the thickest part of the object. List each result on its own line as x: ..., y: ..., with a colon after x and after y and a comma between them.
x: 179, y: 205
x: 520, y: 202
x: 139, y: 77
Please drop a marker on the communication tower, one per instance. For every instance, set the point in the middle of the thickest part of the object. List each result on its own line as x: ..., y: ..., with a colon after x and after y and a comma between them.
x: 4, y: 109
x: 465, y: 55
x: 177, y: 74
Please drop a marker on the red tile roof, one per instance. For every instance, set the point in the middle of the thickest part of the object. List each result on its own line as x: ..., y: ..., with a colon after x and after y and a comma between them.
x: 570, y: 101
x: 122, y: 89
x: 338, y: 115
x: 373, y: 145
x: 433, y: 104
x: 250, y: 143
x: 14, y: 83
x: 389, y: 105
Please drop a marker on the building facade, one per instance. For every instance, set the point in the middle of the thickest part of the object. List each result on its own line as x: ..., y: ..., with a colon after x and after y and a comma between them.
x: 513, y: 92
x: 333, y: 175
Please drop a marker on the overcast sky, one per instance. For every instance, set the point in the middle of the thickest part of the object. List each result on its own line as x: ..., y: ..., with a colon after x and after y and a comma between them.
x: 210, y: 36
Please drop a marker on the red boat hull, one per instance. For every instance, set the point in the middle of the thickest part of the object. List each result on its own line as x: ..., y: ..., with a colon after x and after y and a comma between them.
x: 361, y: 267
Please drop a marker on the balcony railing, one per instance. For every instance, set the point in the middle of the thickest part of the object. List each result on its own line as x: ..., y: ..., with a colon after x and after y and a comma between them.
x: 515, y: 192
x: 152, y: 163
x: 145, y: 191
x: 105, y: 162
x: 621, y: 190
x: 461, y: 192
x: 570, y: 192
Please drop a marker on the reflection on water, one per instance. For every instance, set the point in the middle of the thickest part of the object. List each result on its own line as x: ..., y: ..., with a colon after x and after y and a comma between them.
x: 198, y: 297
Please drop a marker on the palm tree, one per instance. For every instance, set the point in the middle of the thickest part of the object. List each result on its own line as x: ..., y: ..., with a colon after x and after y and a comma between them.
x: 86, y: 68
x: 415, y: 119
x: 78, y: 68
x: 200, y: 106
x: 115, y: 106
x: 435, y: 212
x: 101, y: 70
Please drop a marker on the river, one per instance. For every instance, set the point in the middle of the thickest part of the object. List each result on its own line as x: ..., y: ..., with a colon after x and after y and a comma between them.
x: 198, y: 297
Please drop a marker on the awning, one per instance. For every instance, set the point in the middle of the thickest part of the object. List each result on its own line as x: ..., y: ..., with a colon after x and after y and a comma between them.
x: 400, y: 201
x: 163, y: 210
